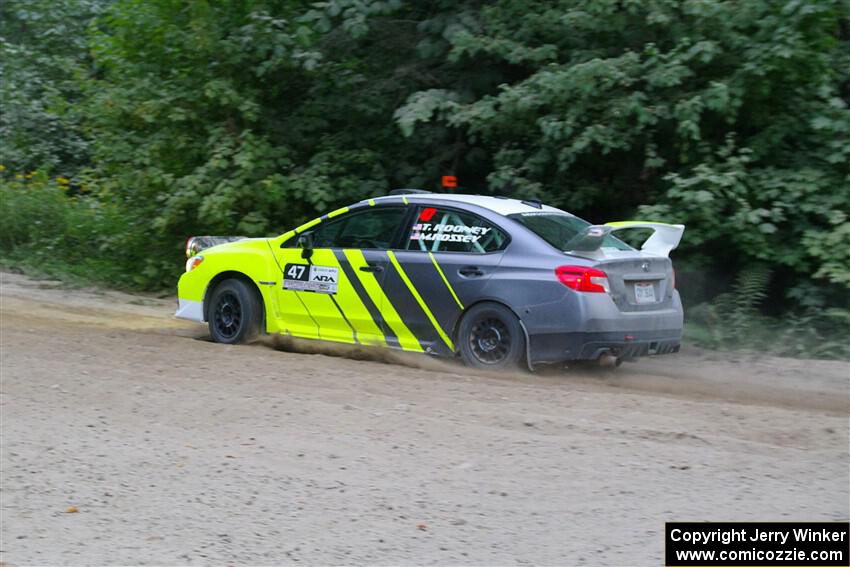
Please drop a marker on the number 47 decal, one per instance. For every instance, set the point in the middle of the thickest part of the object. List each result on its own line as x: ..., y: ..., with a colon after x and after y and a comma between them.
x: 296, y: 271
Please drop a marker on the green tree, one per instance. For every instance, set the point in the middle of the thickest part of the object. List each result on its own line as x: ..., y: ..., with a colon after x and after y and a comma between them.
x: 248, y: 117
x: 730, y: 117
x: 43, y: 51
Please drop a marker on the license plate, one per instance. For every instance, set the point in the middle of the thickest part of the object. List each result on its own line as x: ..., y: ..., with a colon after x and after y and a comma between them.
x: 644, y: 292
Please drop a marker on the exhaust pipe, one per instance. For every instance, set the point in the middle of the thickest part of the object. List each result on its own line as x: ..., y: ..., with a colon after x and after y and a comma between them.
x: 608, y: 360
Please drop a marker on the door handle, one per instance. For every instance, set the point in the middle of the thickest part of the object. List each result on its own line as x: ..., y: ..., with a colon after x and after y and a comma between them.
x: 371, y: 268
x: 471, y: 271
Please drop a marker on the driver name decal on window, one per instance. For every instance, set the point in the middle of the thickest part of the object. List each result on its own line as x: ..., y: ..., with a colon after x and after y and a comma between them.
x: 305, y: 277
x: 448, y: 232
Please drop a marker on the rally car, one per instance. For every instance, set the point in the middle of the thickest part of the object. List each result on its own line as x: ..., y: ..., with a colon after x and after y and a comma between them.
x: 498, y: 282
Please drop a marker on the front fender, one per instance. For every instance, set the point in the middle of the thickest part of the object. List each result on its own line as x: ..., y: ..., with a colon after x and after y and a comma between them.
x: 251, y: 259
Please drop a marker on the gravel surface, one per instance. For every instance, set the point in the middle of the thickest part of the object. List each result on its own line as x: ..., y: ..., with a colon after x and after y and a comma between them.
x: 129, y: 438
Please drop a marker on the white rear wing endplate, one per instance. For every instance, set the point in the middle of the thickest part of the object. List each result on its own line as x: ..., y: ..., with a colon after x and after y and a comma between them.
x: 664, y: 239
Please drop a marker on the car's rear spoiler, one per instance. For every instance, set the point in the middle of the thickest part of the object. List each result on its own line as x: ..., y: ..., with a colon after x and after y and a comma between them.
x: 664, y: 239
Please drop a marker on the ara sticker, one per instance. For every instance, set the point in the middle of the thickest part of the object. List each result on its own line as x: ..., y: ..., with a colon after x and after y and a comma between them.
x: 305, y: 277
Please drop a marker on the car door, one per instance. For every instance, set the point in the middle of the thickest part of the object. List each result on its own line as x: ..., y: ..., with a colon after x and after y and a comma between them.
x: 333, y: 291
x: 443, y: 264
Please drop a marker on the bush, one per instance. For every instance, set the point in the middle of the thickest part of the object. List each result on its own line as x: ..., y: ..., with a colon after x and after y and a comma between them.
x: 733, y: 320
x: 51, y: 228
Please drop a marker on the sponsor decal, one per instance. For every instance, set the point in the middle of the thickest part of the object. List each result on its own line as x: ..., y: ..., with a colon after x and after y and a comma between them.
x: 427, y: 214
x: 306, y: 277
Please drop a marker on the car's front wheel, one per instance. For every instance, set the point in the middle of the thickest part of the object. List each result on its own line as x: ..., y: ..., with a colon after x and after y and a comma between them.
x: 235, y: 312
x: 490, y: 336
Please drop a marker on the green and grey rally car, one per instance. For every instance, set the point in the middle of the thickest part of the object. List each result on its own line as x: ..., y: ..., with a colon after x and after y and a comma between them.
x: 498, y: 282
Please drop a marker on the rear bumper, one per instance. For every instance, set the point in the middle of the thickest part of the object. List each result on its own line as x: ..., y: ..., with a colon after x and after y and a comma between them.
x: 583, y: 326
x: 559, y: 347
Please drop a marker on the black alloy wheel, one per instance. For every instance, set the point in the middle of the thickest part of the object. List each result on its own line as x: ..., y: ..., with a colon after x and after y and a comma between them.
x: 490, y: 340
x: 491, y: 336
x: 235, y: 312
x: 227, y: 315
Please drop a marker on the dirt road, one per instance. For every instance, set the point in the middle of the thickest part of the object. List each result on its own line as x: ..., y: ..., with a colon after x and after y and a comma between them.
x: 174, y: 450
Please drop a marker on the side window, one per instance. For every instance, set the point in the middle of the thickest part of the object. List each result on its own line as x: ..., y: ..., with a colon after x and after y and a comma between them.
x: 373, y: 228
x: 446, y: 230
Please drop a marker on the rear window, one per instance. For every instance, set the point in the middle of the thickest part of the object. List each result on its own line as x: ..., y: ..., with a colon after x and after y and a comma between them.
x: 558, y: 229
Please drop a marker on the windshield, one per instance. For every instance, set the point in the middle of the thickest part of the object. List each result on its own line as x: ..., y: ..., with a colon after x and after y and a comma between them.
x: 557, y: 229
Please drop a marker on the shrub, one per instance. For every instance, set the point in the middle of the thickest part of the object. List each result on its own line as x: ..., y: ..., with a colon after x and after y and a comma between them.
x: 51, y: 227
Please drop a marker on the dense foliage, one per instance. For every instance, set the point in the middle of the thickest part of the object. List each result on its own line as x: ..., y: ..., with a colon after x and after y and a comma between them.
x: 42, y: 57
x: 248, y: 117
x: 50, y: 233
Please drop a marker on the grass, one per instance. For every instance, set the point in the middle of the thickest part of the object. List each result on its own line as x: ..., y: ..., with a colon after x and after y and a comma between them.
x: 48, y: 233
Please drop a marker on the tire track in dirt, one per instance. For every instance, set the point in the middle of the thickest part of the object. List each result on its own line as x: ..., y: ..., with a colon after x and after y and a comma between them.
x: 176, y: 450
x: 816, y: 385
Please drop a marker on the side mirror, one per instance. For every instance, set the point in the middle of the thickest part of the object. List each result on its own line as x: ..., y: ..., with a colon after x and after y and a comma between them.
x: 305, y: 243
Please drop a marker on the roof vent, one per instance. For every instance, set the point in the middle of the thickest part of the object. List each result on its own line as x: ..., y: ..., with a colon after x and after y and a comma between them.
x: 408, y: 191
x: 536, y: 203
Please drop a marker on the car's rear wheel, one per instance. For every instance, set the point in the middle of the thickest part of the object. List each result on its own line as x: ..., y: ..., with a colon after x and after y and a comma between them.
x: 235, y: 312
x: 490, y: 336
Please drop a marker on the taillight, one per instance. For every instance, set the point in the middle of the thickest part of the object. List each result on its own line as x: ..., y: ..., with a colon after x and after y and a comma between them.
x: 582, y: 278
